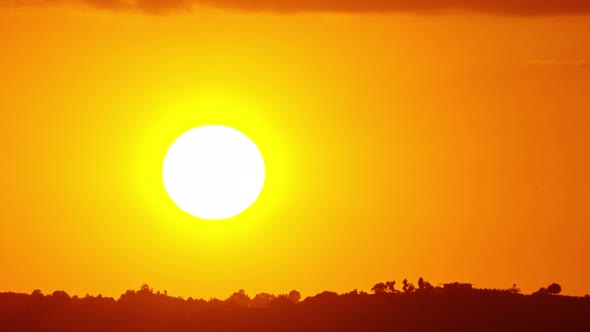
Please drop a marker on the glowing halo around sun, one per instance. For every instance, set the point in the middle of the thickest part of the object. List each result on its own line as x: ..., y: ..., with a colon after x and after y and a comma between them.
x: 213, y: 172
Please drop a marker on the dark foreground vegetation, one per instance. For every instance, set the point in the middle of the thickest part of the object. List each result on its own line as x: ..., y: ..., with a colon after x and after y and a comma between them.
x: 454, y: 307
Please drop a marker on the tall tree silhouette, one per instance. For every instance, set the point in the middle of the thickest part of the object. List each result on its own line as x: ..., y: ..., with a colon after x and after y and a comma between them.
x: 391, y: 286
x: 408, y: 287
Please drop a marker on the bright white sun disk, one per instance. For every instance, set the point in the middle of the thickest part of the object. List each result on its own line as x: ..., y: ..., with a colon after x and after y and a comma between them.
x: 214, y: 172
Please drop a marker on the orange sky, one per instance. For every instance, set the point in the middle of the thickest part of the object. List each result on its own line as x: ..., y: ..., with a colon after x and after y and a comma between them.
x: 453, y: 146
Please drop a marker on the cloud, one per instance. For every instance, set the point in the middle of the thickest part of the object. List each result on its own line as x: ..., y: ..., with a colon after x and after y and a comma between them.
x: 495, y: 7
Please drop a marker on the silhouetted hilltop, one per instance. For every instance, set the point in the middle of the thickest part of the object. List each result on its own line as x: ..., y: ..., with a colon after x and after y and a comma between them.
x: 452, y: 307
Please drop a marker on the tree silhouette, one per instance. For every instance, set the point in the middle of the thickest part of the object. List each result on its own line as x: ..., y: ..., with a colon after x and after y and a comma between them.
x: 262, y: 300
x: 514, y: 289
x: 239, y: 299
x: 554, y: 289
x: 379, y: 288
x: 408, y: 287
x: 424, y: 286
x: 60, y: 295
x: 541, y: 291
x: 294, y: 296
x: 145, y: 290
x: 391, y: 286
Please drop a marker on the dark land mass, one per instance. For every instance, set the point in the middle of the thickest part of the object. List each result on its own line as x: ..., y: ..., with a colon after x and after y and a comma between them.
x: 454, y: 307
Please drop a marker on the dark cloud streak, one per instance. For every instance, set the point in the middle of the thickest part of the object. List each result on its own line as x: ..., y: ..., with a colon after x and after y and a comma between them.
x: 494, y: 7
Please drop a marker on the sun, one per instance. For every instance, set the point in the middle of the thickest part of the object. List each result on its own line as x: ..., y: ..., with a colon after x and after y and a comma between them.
x: 213, y: 172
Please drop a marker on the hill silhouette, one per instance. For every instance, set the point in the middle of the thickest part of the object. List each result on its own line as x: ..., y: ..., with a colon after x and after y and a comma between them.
x: 452, y: 307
